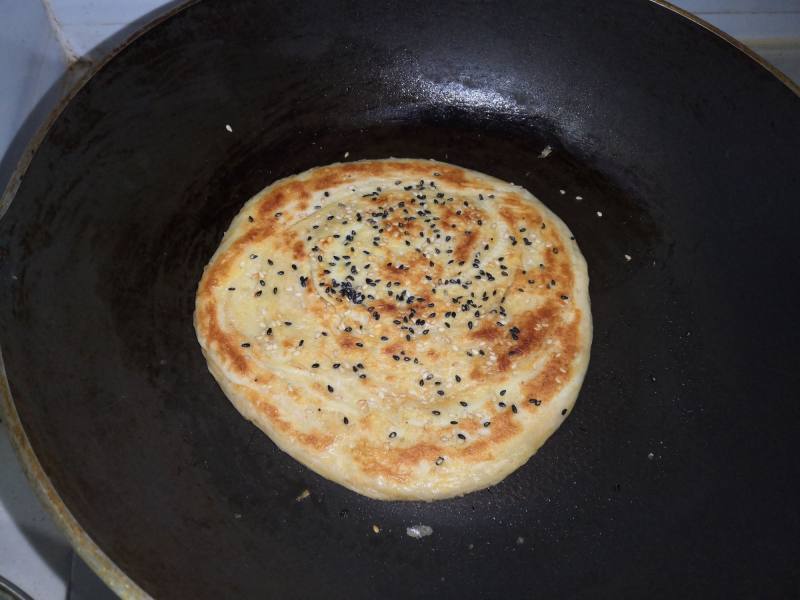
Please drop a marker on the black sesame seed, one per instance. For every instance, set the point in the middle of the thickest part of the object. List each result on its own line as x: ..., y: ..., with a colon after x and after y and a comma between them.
x: 453, y: 422
x: 245, y: 345
x: 514, y: 408
x: 501, y: 404
x: 435, y: 412
x: 346, y: 421
x: 487, y: 423
x: 462, y: 403
x: 461, y: 436
x: 563, y: 412
x: 440, y: 460
x: 330, y: 388
x: 502, y: 392
x: 258, y: 293
x: 393, y: 434
x: 534, y: 401
x: 315, y: 366
x: 440, y: 392
x: 458, y: 379
x: 337, y: 365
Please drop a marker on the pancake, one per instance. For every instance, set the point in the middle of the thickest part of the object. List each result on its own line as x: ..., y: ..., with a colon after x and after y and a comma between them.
x: 409, y: 329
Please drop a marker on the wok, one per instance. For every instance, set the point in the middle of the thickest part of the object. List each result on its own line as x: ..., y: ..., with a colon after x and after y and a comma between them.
x: 676, y: 475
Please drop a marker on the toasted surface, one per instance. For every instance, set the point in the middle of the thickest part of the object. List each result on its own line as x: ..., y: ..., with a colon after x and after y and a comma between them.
x: 407, y: 328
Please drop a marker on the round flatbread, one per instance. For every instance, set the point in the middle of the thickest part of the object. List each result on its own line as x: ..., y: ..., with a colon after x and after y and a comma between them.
x: 407, y: 328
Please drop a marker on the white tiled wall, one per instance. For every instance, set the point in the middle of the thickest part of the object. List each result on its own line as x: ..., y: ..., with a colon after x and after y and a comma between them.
x: 86, y: 23
x: 37, y: 40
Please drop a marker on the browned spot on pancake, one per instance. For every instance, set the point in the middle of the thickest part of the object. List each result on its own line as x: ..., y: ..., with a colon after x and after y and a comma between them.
x: 346, y: 342
x: 460, y: 215
x: 219, y: 269
x: 272, y: 202
x: 503, y: 426
x: 409, y: 269
x: 392, y: 349
x: 551, y: 378
x: 385, y: 307
x: 317, y: 441
x: 488, y: 332
x: 317, y: 309
x: 216, y: 337
x: 469, y: 425
x: 393, y: 271
x: 298, y: 250
x: 521, y: 281
x: 393, y: 463
x: 453, y: 176
x: 418, y: 263
x: 288, y: 236
x: 324, y: 179
x: 478, y: 373
x: 512, y: 218
x: 533, y: 328
x: 287, y: 343
x: 514, y: 200
x: 565, y: 275
x: 410, y: 172
x: 432, y: 353
x: 296, y: 189
x: 263, y: 377
x: 529, y: 339
x: 465, y: 243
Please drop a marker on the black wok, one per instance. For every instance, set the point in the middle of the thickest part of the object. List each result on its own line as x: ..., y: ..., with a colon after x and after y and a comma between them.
x: 676, y: 476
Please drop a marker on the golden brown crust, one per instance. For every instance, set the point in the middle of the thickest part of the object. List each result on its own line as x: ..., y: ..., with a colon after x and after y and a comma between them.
x: 408, y: 328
